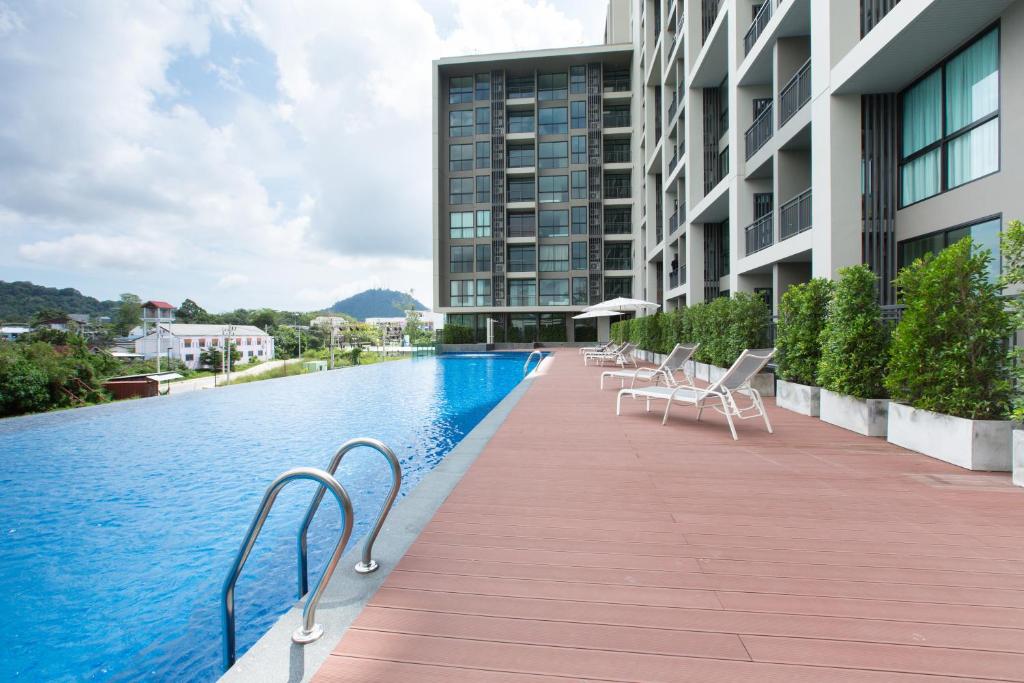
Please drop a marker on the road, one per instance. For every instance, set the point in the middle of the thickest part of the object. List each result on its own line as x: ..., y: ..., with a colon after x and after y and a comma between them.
x: 212, y: 381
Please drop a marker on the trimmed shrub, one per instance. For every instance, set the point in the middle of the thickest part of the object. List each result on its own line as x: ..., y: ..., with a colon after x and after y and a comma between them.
x: 678, y: 328
x: 703, y: 330
x: 1012, y: 248
x: 802, y: 315
x: 854, y: 341
x: 948, y: 353
x: 457, y: 334
x: 746, y: 318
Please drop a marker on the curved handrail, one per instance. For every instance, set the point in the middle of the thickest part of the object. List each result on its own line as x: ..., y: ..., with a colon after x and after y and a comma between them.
x: 367, y: 564
x: 310, y: 630
x: 530, y: 357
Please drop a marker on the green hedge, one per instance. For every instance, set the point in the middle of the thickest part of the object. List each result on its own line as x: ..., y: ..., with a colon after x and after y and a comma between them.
x: 457, y: 334
x: 802, y: 313
x: 1012, y: 249
x: 948, y: 352
x: 854, y: 342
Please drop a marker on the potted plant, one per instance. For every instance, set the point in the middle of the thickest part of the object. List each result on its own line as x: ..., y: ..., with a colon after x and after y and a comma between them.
x: 802, y: 314
x: 1012, y: 281
x: 737, y: 323
x: 854, y: 352
x: 949, y: 372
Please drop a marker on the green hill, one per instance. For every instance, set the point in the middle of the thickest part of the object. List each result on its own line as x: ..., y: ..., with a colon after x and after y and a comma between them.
x: 19, y: 301
x: 376, y: 303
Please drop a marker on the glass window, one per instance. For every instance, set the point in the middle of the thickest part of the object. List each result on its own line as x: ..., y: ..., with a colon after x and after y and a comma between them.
x: 521, y: 190
x: 460, y: 191
x: 617, y: 221
x: 520, y: 121
x: 461, y: 293
x: 520, y: 86
x: 483, y: 223
x: 522, y: 225
x: 584, y: 330
x: 552, y: 327
x: 522, y: 292
x: 483, y: 86
x: 554, y: 188
x: 973, y: 154
x: 553, y: 120
x: 460, y: 157
x: 579, y: 220
x: 554, y: 223
x: 618, y: 256
x: 578, y: 80
x: 520, y: 156
x: 972, y: 83
x: 554, y: 292
x: 579, y: 113
x: 579, y: 255
x: 579, y: 184
x: 483, y: 120
x: 552, y: 87
x: 462, y: 259
x: 460, y: 224
x: 460, y: 123
x: 483, y: 292
x: 553, y: 155
x: 579, y: 149
x: 483, y: 189
x: 579, y: 293
x: 522, y: 258
x: 616, y: 116
x: 553, y: 258
x: 460, y: 90
x: 483, y: 155
x: 483, y: 257
x: 618, y: 286
x: 617, y: 186
x: 984, y: 235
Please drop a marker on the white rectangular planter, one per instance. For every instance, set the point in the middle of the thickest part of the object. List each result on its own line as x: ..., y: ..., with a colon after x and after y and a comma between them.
x: 971, y: 444
x: 702, y: 371
x: 867, y: 416
x: 1018, y: 457
x: 764, y: 382
x: 799, y: 398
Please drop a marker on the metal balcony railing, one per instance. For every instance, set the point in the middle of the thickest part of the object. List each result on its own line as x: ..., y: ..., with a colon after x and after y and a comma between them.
x: 618, y: 263
x: 760, y: 234
x: 617, y: 188
x: 764, y: 15
x: 673, y: 221
x: 796, y: 94
x: 616, y: 119
x: 618, y: 226
x: 520, y: 88
x: 795, y: 215
x: 760, y: 131
x: 616, y: 81
x: 616, y: 156
x: 672, y: 106
x: 659, y: 233
x: 673, y: 278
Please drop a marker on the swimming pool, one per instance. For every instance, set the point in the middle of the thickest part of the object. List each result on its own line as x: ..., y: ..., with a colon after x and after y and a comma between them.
x: 119, y: 523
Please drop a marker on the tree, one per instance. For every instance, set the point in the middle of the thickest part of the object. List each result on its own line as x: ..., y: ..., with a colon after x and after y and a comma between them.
x: 854, y: 342
x: 129, y: 313
x: 213, y: 357
x: 48, y: 314
x: 191, y: 312
x: 802, y: 316
x: 266, y: 319
x: 416, y: 328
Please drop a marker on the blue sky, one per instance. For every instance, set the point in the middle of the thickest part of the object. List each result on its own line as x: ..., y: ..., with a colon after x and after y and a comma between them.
x: 241, y: 153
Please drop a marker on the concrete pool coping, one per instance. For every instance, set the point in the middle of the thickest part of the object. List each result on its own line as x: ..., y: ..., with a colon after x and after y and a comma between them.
x: 274, y: 657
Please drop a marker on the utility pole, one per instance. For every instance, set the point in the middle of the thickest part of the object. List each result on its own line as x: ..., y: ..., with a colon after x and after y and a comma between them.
x: 229, y: 333
x: 158, y: 345
x: 333, y: 331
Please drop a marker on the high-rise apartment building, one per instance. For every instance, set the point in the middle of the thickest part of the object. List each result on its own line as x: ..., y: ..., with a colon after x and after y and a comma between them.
x: 716, y: 146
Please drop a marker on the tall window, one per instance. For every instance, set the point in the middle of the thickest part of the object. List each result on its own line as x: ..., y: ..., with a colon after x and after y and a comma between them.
x: 520, y: 156
x: 522, y: 224
x: 553, y: 120
x: 483, y: 223
x: 554, y: 292
x: 579, y: 220
x: 579, y: 113
x: 580, y: 295
x: 522, y: 292
x: 554, y: 188
x: 521, y: 190
x: 460, y: 191
x: 460, y: 123
x: 462, y: 259
x: 579, y: 184
x: 461, y: 293
x: 460, y: 157
x: 554, y: 223
x: 460, y: 90
x: 483, y: 189
x: 483, y: 292
x: 460, y: 224
x: 578, y: 80
x: 483, y: 120
x: 483, y: 86
x: 554, y: 258
x: 553, y: 155
x: 579, y: 149
x: 483, y: 257
x: 984, y: 235
x: 618, y: 286
x: 579, y: 255
x: 483, y: 155
x: 522, y: 258
x: 618, y: 255
x: 950, y: 122
x: 520, y: 121
x: 552, y: 87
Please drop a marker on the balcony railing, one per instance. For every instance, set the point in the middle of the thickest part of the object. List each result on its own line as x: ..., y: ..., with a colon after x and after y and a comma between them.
x: 673, y: 278
x: 795, y: 215
x: 659, y: 233
x: 520, y: 89
x: 522, y: 231
x: 764, y: 15
x: 760, y: 131
x: 616, y: 82
x: 615, y: 188
x: 760, y: 234
x: 673, y: 221
x: 616, y: 156
x: 796, y: 93
x: 618, y: 226
x: 616, y: 119
x: 672, y: 106
x: 618, y: 263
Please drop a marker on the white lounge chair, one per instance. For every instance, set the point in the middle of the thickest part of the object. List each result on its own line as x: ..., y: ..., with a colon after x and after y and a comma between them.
x: 597, y: 349
x: 621, y: 356
x: 734, y: 383
x: 666, y: 372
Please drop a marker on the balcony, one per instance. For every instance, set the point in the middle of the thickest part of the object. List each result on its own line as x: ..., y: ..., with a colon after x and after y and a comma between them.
x: 672, y: 106
x: 760, y: 131
x: 764, y: 15
x: 616, y: 119
x: 618, y: 262
x: 617, y: 187
x: 617, y: 81
x: 520, y: 88
x: 618, y: 225
x: 677, y: 277
x: 673, y: 222
x: 760, y: 234
x: 795, y: 215
x: 616, y: 156
x: 796, y: 94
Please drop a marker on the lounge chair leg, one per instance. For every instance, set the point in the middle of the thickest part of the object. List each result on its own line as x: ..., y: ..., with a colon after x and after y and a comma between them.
x: 618, y: 404
x: 664, y: 418
x: 728, y: 418
x: 700, y: 409
x: 764, y: 413
x: 602, y: 381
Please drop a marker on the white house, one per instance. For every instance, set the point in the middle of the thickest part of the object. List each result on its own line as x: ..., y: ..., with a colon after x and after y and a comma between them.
x: 13, y: 331
x: 187, y: 342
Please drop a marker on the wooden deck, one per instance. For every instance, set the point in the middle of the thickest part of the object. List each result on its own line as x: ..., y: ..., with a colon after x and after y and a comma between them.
x: 585, y: 546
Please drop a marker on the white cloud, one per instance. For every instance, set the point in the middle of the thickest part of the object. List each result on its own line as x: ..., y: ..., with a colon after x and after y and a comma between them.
x: 98, y: 251
x: 232, y: 280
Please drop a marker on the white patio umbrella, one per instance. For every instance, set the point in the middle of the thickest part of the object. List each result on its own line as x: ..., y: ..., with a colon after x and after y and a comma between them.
x: 622, y: 304
x: 597, y: 314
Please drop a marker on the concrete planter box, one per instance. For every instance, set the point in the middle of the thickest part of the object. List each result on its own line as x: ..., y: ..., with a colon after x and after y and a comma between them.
x: 799, y: 398
x: 1018, y: 457
x: 867, y: 416
x: 701, y: 371
x: 972, y: 444
x: 764, y: 382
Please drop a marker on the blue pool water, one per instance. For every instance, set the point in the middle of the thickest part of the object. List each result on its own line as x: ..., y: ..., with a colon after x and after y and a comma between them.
x: 118, y: 523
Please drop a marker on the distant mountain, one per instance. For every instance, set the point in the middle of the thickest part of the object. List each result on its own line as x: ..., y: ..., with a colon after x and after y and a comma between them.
x: 19, y: 301
x: 376, y: 303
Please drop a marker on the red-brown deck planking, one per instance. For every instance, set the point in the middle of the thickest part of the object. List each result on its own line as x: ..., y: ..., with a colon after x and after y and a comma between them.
x: 585, y: 546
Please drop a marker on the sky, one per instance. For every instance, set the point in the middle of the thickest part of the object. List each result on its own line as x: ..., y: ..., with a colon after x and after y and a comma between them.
x: 241, y: 153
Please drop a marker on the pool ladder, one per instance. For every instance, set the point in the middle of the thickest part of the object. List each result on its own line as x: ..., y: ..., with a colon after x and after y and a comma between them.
x: 310, y: 631
x: 540, y: 357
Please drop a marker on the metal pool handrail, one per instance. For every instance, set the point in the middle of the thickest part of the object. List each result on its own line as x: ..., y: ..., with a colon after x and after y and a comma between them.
x: 367, y: 564
x: 310, y: 630
x: 530, y: 357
